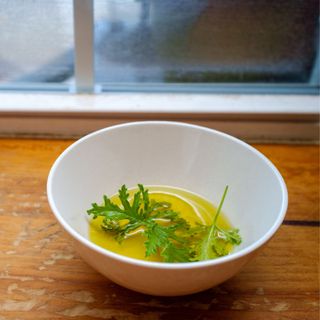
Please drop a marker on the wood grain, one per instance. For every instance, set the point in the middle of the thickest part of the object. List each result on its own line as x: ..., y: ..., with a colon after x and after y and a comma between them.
x: 42, y: 277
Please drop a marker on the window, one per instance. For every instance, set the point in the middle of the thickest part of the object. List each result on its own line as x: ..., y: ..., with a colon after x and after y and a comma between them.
x: 204, y: 45
x: 248, y: 67
x: 203, y: 41
x: 36, y: 43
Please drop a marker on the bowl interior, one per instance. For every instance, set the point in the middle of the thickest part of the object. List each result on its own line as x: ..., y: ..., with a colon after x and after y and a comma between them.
x: 156, y: 153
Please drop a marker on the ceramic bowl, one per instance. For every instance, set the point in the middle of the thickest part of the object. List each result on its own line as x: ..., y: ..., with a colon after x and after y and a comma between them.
x: 191, y: 157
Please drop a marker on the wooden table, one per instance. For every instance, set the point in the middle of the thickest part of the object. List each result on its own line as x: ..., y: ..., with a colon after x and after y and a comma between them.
x: 42, y: 277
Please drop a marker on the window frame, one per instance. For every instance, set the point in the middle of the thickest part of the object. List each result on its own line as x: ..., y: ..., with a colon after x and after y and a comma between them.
x: 254, y: 112
x: 84, y: 80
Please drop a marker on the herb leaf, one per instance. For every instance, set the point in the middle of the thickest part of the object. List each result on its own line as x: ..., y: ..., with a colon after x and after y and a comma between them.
x: 165, y: 231
x: 216, y: 241
x: 158, y: 222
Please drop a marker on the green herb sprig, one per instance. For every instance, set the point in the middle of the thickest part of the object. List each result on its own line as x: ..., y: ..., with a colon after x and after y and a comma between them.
x: 214, y: 240
x: 165, y: 231
x: 142, y: 213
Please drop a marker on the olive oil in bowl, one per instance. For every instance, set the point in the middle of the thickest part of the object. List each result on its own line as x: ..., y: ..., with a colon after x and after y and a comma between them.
x: 192, y: 217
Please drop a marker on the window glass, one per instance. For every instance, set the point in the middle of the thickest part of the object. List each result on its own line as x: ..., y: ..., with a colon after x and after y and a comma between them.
x: 36, y: 41
x: 205, y: 41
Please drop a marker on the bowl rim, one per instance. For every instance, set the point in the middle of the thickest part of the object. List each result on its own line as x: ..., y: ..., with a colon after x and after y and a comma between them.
x: 166, y: 265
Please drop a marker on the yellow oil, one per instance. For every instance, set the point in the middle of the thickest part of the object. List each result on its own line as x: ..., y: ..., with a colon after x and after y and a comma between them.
x: 192, y: 207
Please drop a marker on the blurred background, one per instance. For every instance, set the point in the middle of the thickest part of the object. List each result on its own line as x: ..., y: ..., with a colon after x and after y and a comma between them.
x: 165, y: 41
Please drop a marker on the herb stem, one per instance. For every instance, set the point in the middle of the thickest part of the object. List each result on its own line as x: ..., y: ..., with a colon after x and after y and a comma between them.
x: 220, y: 205
x: 213, y: 226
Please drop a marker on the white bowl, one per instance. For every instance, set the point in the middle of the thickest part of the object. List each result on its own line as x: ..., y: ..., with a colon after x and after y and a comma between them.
x: 195, y: 158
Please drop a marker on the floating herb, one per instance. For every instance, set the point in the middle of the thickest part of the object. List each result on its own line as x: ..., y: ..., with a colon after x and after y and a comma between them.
x: 214, y: 241
x: 166, y: 232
